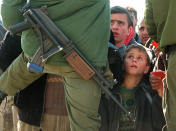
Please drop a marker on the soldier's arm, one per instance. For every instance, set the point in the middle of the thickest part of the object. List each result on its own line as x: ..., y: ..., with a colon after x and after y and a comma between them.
x: 149, y: 21
x: 10, y: 12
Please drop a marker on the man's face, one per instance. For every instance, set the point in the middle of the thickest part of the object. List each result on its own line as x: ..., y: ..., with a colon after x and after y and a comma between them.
x: 136, y: 62
x: 119, y: 27
x: 143, y: 33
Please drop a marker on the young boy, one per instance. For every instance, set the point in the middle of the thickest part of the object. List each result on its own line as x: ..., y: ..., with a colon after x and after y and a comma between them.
x: 134, y: 96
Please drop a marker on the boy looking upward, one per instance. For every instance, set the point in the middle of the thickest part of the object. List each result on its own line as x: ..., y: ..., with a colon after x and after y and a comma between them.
x: 133, y: 94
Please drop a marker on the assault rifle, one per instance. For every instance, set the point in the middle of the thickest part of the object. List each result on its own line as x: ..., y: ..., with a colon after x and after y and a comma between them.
x: 39, y: 21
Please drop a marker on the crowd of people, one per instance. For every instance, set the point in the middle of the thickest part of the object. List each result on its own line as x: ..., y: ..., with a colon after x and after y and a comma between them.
x: 137, y: 57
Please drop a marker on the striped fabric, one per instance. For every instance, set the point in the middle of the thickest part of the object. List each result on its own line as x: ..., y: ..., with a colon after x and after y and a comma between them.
x: 49, y: 123
x: 55, y: 97
x: 55, y: 115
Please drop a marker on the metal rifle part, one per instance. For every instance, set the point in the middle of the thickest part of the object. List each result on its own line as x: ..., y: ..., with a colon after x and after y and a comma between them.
x: 36, y: 18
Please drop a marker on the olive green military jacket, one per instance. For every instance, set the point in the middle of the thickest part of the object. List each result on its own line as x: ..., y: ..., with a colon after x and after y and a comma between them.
x: 160, y: 19
x: 85, y: 22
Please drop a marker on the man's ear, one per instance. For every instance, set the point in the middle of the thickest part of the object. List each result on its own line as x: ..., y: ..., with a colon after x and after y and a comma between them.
x: 146, y: 69
x: 129, y: 36
x: 131, y: 31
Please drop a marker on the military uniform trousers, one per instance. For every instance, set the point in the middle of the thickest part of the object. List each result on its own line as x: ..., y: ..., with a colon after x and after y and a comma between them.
x: 169, y: 102
x: 82, y: 96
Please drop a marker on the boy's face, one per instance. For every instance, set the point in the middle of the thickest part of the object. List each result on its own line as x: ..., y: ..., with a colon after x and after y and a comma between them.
x: 136, y: 62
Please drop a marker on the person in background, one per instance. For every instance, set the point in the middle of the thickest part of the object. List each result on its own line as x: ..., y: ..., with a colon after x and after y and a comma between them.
x: 121, y: 36
x: 143, y: 33
x: 121, y: 25
x: 133, y: 14
x: 133, y: 94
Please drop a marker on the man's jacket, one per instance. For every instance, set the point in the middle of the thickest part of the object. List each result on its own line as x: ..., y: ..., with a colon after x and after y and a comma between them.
x: 9, y: 50
x: 86, y: 23
x: 149, y: 117
x: 160, y: 21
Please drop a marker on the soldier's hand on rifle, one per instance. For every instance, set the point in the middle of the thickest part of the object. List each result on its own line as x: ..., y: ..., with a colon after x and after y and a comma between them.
x: 2, y: 96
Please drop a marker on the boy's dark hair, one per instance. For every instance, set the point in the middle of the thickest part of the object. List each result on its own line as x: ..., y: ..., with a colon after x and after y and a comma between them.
x: 121, y: 10
x: 132, y: 10
x: 141, y: 48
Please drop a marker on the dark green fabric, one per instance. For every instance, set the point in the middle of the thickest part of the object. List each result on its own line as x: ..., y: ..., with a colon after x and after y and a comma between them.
x: 125, y: 124
x: 86, y: 23
x: 160, y: 18
x: 169, y: 101
x: 160, y: 21
x: 17, y: 77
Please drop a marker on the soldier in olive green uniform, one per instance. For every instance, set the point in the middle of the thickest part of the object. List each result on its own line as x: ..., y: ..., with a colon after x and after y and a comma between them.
x: 160, y: 19
x: 87, y: 24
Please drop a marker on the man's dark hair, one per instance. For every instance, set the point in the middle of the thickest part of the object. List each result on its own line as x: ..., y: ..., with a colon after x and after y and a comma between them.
x: 132, y: 10
x: 121, y: 10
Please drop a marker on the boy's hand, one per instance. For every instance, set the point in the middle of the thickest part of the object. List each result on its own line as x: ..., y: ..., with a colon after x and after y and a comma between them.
x: 157, y: 84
